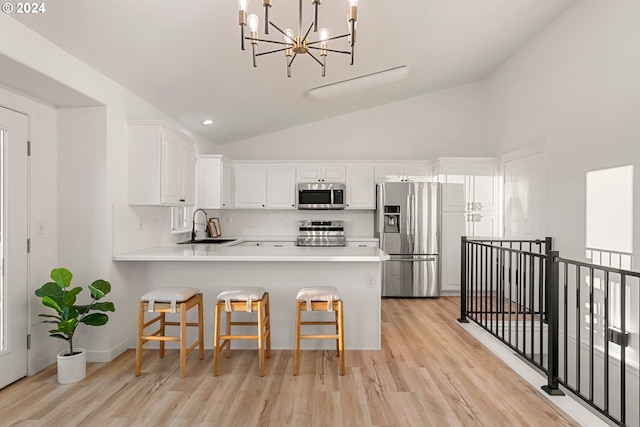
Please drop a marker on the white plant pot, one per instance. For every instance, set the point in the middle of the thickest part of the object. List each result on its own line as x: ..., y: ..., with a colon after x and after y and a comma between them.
x: 73, y: 368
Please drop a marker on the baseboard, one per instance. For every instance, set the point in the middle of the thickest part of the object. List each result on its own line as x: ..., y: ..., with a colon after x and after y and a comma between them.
x: 107, y: 355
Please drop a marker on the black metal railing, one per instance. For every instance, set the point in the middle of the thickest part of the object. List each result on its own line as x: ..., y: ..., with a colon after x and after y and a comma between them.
x: 572, y: 320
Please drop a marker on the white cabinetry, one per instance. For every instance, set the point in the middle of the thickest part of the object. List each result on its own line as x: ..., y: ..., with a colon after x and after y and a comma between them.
x: 161, y: 165
x: 364, y: 244
x: 404, y: 172
x: 281, y: 187
x: 313, y: 173
x: 361, y: 187
x: 270, y: 244
x: 469, y: 207
x: 214, y: 182
x: 259, y: 186
x: 251, y: 191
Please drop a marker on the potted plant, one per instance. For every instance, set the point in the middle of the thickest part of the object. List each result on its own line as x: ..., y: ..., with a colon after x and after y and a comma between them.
x: 59, y: 296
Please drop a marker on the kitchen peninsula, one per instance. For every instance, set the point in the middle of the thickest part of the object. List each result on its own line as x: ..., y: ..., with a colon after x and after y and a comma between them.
x: 355, y: 271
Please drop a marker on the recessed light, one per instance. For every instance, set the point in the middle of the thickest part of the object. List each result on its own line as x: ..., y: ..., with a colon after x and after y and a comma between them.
x: 207, y: 122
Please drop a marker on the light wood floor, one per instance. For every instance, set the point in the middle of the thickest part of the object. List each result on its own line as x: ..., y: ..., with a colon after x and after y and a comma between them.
x: 430, y: 372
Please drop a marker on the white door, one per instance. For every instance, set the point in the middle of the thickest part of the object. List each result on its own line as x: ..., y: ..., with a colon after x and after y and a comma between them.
x: 523, y: 197
x: 13, y: 247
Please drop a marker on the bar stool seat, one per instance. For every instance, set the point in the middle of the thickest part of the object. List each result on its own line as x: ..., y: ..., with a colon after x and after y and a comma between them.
x: 248, y: 299
x: 171, y: 300
x: 326, y: 298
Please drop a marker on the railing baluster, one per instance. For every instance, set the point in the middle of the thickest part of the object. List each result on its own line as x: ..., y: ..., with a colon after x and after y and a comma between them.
x: 508, y: 282
x: 606, y: 341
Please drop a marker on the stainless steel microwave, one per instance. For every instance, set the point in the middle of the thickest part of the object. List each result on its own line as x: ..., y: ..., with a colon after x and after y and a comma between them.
x: 321, y: 195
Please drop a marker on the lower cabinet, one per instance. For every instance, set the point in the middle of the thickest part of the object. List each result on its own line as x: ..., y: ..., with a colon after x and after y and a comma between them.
x: 271, y: 244
x: 365, y: 244
x: 454, y: 226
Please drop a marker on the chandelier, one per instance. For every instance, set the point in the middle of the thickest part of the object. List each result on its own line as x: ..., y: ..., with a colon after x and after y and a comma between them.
x: 300, y: 43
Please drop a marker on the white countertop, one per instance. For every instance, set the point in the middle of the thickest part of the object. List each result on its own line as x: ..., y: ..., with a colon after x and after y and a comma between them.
x: 205, y: 252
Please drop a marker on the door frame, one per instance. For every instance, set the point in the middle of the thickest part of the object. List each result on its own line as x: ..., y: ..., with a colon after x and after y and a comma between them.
x: 28, y: 313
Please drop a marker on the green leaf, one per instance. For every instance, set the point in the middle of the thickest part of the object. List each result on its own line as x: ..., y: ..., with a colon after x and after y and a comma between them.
x: 69, y: 312
x: 67, y: 327
x: 62, y: 277
x: 50, y: 302
x: 70, y: 296
x: 50, y: 315
x: 95, y: 319
x: 100, y: 306
x: 51, y: 290
x: 99, y: 288
x: 54, y: 335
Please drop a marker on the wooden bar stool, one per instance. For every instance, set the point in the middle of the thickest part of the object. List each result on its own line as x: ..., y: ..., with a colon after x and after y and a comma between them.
x: 317, y: 298
x: 170, y: 300
x: 249, y: 299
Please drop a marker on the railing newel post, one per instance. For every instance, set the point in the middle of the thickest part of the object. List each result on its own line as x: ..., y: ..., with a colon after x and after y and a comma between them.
x: 553, y: 312
x: 463, y: 280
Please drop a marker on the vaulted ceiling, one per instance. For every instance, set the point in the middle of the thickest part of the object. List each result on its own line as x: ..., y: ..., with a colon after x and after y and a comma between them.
x: 184, y: 56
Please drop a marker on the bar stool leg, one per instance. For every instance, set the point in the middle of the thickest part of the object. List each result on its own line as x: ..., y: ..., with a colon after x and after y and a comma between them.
x: 268, y: 325
x: 296, y: 369
x: 216, y: 341
x: 335, y: 311
x: 201, y: 326
x: 261, y: 342
x: 341, y: 337
x: 183, y: 340
x: 163, y: 326
x: 227, y: 342
x: 140, y: 333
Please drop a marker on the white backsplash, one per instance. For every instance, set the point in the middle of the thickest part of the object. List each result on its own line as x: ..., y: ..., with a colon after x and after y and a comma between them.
x: 143, y: 227
x: 284, y: 223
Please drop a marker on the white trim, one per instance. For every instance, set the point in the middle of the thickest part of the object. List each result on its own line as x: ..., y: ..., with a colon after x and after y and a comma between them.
x: 540, y: 147
x: 108, y: 355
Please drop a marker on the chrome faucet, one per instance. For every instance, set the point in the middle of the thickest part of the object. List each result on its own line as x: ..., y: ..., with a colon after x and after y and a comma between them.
x: 193, y: 225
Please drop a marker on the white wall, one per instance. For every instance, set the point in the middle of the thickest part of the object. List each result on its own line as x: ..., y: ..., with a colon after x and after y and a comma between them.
x: 575, y: 86
x: 108, y: 130
x: 440, y: 124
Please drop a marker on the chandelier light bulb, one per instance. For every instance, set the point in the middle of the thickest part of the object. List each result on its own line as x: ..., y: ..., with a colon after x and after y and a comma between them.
x: 289, y: 35
x: 353, y: 3
x: 242, y: 5
x: 253, y: 22
x: 324, y: 34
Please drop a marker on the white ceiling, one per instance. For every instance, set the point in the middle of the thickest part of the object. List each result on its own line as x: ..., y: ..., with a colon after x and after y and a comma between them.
x: 185, y: 58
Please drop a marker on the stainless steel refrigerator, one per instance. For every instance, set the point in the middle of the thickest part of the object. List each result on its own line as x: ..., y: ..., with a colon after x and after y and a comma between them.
x: 408, y: 226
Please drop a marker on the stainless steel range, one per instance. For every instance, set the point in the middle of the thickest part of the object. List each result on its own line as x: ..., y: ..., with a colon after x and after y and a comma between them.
x: 321, y: 233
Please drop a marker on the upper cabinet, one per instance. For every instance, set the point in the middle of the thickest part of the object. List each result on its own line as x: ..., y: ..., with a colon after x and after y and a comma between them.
x: 422, y: 171
x: 260, y: 186
x: 161, y: 165
x: 215, y: 182
x: 281, y: 186
x: 361, y: 187
x: 476, y: 196
x: 480, y: 179
x: 312, y: 173
x: 251, y: 190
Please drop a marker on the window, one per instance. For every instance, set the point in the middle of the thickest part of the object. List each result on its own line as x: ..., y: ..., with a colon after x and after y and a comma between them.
x: 181, y: 218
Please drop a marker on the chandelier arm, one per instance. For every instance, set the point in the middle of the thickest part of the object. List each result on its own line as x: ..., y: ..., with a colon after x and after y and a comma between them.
x: 274, y: 51
x: 331, y: 50
x: 242, y: 37
x: 292, y: 58
x: 315, y: 18
x: 352, y: 51
x: 317, y: 60
x: 281, y: 32
x: 268, y: 41
x: 308, y: 31
x: 331, y: 38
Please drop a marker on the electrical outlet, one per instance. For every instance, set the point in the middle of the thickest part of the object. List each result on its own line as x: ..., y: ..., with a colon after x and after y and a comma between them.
x: 140, y: 224
x: 371, y: 283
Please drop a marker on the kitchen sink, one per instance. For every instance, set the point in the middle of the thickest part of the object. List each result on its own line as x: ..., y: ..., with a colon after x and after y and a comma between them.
x: 207, y: 241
